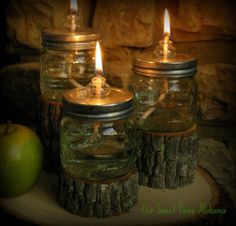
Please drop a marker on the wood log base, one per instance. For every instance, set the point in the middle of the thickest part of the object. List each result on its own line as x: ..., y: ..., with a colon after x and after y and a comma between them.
x: 98, y: 198
x: 49, y: 132
x: 40, y: 205
x: 166, y: 160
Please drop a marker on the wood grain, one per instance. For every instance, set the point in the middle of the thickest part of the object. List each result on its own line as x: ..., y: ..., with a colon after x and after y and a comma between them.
x: 102, y: 198
x: 49, y: 117
x: 165, y: 160
x: 41, y: 206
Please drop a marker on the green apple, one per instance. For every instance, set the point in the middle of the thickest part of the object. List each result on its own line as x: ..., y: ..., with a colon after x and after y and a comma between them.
x: 21, y: 157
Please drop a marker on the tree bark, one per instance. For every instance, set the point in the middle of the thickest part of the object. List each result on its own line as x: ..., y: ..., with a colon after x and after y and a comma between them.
x: 166, y: 160
x: 98, y: 198
x: 49, y: 131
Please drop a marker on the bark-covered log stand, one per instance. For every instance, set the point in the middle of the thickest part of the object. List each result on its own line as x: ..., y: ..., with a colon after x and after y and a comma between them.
x: 49, y: 131
x: 166, y: 160
x: 102, y: 198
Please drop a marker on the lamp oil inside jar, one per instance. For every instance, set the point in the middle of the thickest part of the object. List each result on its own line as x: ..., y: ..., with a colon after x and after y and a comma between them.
x: 94, y: 140
x: 96, y: 156
x: 67, y: 59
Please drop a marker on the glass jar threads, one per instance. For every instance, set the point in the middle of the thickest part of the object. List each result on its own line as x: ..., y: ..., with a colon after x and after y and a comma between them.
x: 166, y: 106
x: 166, y: 96
x: 94, y: 140
x: 67, y: 61
x: 97, y: 156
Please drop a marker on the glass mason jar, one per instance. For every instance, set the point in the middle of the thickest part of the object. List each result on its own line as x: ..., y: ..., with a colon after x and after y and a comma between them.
x: 67, y: 60
x: 166, y: 94
x: 94, y: 140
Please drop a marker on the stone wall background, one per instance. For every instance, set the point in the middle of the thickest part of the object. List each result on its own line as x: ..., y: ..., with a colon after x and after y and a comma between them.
x: 204, y: 29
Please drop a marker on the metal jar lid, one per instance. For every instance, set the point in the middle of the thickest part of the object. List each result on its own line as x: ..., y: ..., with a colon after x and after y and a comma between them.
x: 177, y: 66
x: 118, y: 104
x: 60, y: 39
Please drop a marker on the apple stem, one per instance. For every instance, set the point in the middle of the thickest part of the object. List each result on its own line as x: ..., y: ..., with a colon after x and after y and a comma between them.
x: 7, y: 127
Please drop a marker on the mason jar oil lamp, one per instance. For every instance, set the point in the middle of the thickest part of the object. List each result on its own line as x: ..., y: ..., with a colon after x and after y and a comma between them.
x: 67, y: 61
x: 95, y: 146
x: 166, y: 106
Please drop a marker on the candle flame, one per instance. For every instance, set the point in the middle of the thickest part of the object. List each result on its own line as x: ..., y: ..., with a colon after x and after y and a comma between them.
x: 98, y: 83
x: 166, y: 22
x: 73, y: 5
x: 165, y: 47
x: 98, y: 59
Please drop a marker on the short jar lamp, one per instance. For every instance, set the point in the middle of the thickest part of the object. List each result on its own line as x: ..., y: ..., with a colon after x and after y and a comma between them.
x: 97, y: 157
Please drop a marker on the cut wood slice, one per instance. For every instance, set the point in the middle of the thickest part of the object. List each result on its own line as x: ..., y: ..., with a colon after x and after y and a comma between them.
x: 49, y: 117
x: 102, y: 198
x: 166, y: 160
x: 188, y: 205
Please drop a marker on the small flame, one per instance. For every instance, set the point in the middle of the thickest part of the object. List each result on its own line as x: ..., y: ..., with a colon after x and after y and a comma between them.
x: 73, y: 5
x: 98, y: 59
x: 165, y: 47
x: 98, y: 83
x: 166, y: 22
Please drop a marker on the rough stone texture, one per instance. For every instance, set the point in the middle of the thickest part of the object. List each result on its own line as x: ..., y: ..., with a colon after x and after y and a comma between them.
x: 197, y: 20
x: 26, y: 19
x: 118, y: 73
x: 211, y: 52
x: 217, y: 159
x: 19, y: 87
x: 210, y: 151
x: 203, y: 29
x: 216, y: 82
x: 220, y: 15
x: 125, y: 23
x: 217, y: 153
x: 217, y: 51
x: 217, y: 87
